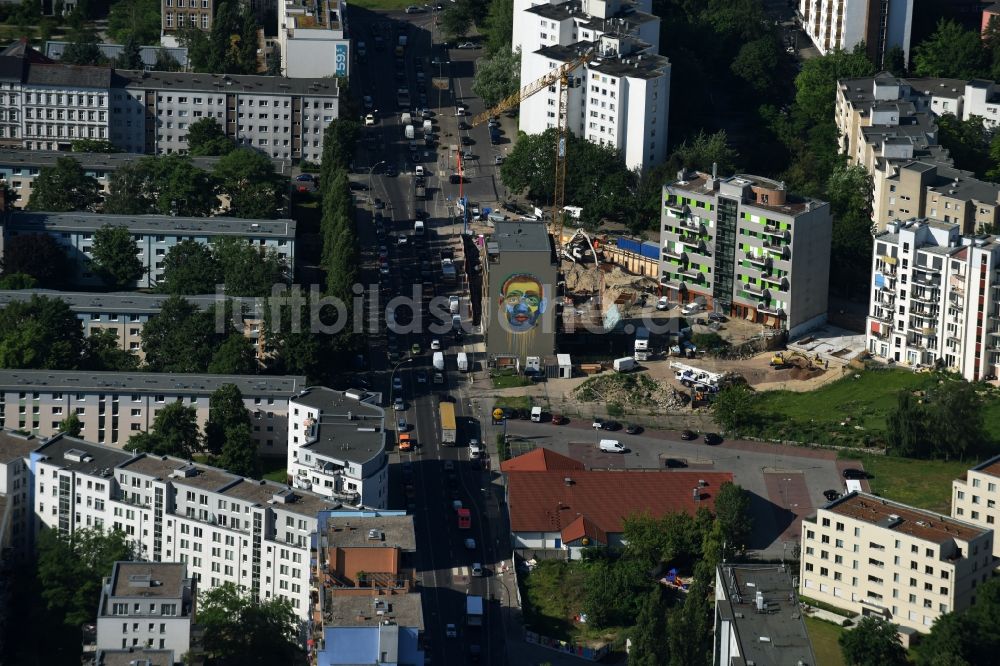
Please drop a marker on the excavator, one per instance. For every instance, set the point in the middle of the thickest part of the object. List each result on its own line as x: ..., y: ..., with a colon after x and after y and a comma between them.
x: 781, y: 360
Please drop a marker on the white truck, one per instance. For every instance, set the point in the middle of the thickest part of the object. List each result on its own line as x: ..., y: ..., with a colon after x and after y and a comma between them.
x: 463, y: 362
x: 408, y: 131
x: 418, y: 228
x: 406, y: 118
x: 536, y: 414
x: 438, y: 361
x: 696, y: 378
x: 626, y: 364
x: 641, y: 347
x: 428, y: 127
x: 474, y: 611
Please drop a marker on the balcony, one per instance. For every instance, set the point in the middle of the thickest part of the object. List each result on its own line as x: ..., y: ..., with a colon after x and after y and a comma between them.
x: 768, y: 308
x: 754, y: 290
x: 780, y: 250
x: 923, y: 313
x: 692, y: 274
x: 690, y: 224
x: 762, y: 261
x: 697, y: 244
x: 775, y: 232
x: 925, y: 296
x: 675, y: 211
x: 927, y: 280
x: 780, y: 283
x: 883, y: 316
x: 674, y: 254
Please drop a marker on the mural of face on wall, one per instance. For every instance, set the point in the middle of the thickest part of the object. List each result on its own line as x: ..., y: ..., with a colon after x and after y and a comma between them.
x: 523, y: 301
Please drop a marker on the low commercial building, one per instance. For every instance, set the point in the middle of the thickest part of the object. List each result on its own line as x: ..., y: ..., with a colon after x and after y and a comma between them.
x: 871, y: 556
x: 147, y: 605
x: 336, y: 446
x: 933, y: 299
x: 743, y: 246
x: 373, y: 630
x: 154, y: 235
x: 758, y: 619
x: 113, y: 406
x: 975, y: 497
x: 557, y: 504
x: 314, y: 39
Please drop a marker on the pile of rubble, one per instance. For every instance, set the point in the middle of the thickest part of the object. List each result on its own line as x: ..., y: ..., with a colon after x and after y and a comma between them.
x: 631, y: 391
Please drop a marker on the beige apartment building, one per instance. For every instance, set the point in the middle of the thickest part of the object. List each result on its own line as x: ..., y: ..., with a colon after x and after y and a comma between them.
x: 871, y: 556
x: 924, y: 189
x: 112, y: 406
x: 975, y: 497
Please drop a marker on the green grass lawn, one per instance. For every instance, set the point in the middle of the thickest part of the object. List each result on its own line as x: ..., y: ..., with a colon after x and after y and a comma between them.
x: 922, y: 483
x: 823, y: 636
x: 513, y: 401
x: 553, y: 594
x: 274, y: 469
x: 510, y: 381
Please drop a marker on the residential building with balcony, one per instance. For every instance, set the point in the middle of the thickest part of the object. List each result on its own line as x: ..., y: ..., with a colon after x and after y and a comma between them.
x: 745, y: 247
x: 147, y: 605
x: 336, y: 446
x: 113, y: 406
x: 154, y: 235
x: 313, y: 37
x: 934, y: 299
x: 225, y: 528
x: 620, y: 98
x: 975, y: 497
x: 843, y: 24
x: 868, y: 555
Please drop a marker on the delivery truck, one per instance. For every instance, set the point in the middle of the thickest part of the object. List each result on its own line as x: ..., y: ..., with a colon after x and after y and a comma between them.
x: 448, y: 429
x: 474, y: 610
x: 626, y: 364
x: 463, y: 362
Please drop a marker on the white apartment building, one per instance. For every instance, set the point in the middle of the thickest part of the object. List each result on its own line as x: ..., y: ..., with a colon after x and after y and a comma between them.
x: 975, y: 497
x: 113, y: 406
x: 313, y: 38
x: 154, y: 235
x: 934, y: 298
x: 872, y: 556
x: 225, y: 528
x: 336, y: 446
x: 623, y: 96
x: 146, y: 605
x: 843, y: 24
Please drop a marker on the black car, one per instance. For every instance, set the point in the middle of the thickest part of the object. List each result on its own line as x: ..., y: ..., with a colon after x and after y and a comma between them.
x: 467, y: 140
x: 379, y: 204
x: 717, y: 316
x: 854, y: 474
x: 712, y: 438
x: 675, y: 463
x: 523, y: 414
x: 831, y: 495
x: 462, y: 125
x: 355, y: 185
x: 391, y: 171
x: 611, y: 425
x: 688, y: 435
x: 633, y: 429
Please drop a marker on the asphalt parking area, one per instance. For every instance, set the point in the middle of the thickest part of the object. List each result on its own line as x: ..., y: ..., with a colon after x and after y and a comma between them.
x: 789, y: 497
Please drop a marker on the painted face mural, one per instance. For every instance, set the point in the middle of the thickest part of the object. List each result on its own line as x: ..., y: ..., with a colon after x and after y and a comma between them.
x: 523, y: 301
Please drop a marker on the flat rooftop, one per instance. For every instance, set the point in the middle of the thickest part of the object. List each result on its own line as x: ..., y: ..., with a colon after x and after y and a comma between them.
x: 778, y: 619
x: 11, y: 158
x: 149, y: 579
x: 702, y: 184
x: 280, y: 497
x: 225, y: 83
x: 649, y: 66
x: 355, y: 611
x: 14, y: 445
x: 166, y: 225
x: 522, y: 237
x: 918, y: 523
x: 124, y: 302
x: 133, y: 656
x: 353, y: 531
x: 75, y: 454
x: 348, y: 429
x: 147, y: 382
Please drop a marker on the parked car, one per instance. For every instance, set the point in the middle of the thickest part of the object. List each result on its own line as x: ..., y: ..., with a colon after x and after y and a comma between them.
x: 414, y: 9
x: 397, y: 384
x: 718, y: 316
x: 663, y: 303
x: 402, y: 425
x: 369, y: 120
x: 435, y: 345
x: 688, y: 435
x: 467, y: 45
x: 398, y: 405
x: 712, y: 438
x: 855, y: 474
x: 378, y: 204
x: 470, y: 544
x: 633, y: 429
x: 415, y: 348
x: 612, y: 425
x: 421, y: 377
x: 691, y: 308
x: 676, y: 463
x: 450, y: 631
x: 831, y: 495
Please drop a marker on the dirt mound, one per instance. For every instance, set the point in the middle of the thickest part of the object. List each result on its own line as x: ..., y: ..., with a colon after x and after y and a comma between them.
x: 630, y: 391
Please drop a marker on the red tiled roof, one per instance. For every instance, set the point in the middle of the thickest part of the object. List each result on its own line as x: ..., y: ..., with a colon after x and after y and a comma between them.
x: 540, y: 460
x: 583, y: 527
x: 543, y: 502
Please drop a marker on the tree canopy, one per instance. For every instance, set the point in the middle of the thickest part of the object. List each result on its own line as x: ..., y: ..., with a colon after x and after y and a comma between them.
x: 240, y: 630
x: 115, y: 254
x: 951, y: 52
x: 174, y: 433
x: 42, y: 333
x: 247, y: 177
x: 948, y: 425
x: 179, y: 338
x: 64, y: 187
x: 873, y: 642
x: 39, y: 256
x: 497, y: 76
x: 226, y: 410
x: 965, y: 637
x: 138, y: 20
x: 205, y: 137
x: 164, y: 185
x: 190, y: 268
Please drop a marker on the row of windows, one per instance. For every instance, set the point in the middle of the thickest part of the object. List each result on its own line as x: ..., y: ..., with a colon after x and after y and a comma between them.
x: 192, y: 19
x: 65, y: 114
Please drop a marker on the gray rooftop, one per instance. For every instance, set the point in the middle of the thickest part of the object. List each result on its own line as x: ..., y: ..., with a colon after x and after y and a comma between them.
x: 348, y: 429
x: 149, y: 579
x: 355, y: 611
x: 148, y: 54
x: 147, y: 382
x: 15, y: 445
x: 780, y: 620
x: 353, y: 531
x: 641, y: 65
x: 77, y: 455
x: 152, y: 224
x: 104, y: 161
x: 280, y: 497
x: 939, y: 87
x: 77, y: 76
x: 225, y: 83
x: 124, y: 302
x: 522, y: 237
x: 135, y: 656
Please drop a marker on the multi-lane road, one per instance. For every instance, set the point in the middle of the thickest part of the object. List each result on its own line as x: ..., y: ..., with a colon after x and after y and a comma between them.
x: 428, y: 480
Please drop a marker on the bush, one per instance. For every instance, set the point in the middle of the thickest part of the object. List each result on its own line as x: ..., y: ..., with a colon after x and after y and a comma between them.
x: 615, y: 409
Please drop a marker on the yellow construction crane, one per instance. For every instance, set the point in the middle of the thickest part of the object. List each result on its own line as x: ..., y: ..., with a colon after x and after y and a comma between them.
x: 563, y: 77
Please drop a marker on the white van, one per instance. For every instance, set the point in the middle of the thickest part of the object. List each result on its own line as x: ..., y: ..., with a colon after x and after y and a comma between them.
x: 536, y: 414
x: 453, y: 304
x: 475, y: 449
x: 611, y: 446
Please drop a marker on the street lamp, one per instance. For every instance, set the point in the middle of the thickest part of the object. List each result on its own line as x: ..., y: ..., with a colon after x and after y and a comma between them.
x: 371, y: 198
x: 392, y: 386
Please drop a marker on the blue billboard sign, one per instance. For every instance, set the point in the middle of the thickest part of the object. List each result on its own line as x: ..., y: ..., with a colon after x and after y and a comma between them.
x: 340, y: 68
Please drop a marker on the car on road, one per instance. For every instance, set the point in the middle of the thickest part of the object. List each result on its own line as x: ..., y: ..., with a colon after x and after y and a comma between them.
x: 359, y: 186
x: 688, y: 435
x: 455, y: 179
x: 414, y: 9
x: 558, y: 419
x: 397, y: 384
x: 470, y: 544
x: 391, y: 171
x: 450, y: 631
x: 378, y: 204
x: 384, y: 269
x: 402, y: 425
x: 398, y: 405
x: 368, y: 102
x: 383, y: 252
x: 477, y: 569
x: 467, y: 45
x: 435, y: 344
x: 633, y: 429
x: 438, y: 61
x: 498, y: 159
x: 663, y: 303
x: 449, y: 465
x: 854, y: 474
x: 402, y: 240
x: 467, y: 140
x: 369, y: 120
x: 831, y: 495
x: 421, y: 377
x: 675, y: 463
x: 713, y: 438
x: 460, y: 111
x: 415, y: 348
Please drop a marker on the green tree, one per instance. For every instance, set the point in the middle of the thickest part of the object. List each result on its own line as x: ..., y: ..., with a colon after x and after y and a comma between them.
x: 759, y: 63
x: 951, y: 52
x: 226, y: 411
x: 102, y: 351
x: 174, y: 433
x: 38, y: 256
x: 190, y: 268
x: 42, y: 333
x: 17, y: 281
x: 339, y: 141
x: 71, y: 570
x: 83, y: 49
x: 499, y: 25
x: 248, y: 270
x: 873, y: 642
x: 692, y: 621
x: 849, y: 192
x: 94, y: 146
x: 239, y: 453
x: 180, y: 188
x: 816, y: 85
x: 138, y: 20
x: 242, y: 630
x: 895, y: 60
x: 166, y: 62
x: 497, y: 76
x: 732, y: 511
x: 736, y: 408
x: 456, y: 21
x: 248, y: 179
x: 205, y: 137
x: 968, y: 142
x: 966, y: 637
x: 650, y: 642
x: 704, y: 150
x: 179, y: 338
x: 131, y: 56
x: 71, y: 425
x: 957, y: 424
x: 116, y: 259
x: 235, y: 356
x: 202, y: 56
x: 64, y: 187
x: 130, y: 190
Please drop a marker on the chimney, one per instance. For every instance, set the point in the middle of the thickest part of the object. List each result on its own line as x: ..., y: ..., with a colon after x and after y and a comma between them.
x: 715, y: 169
